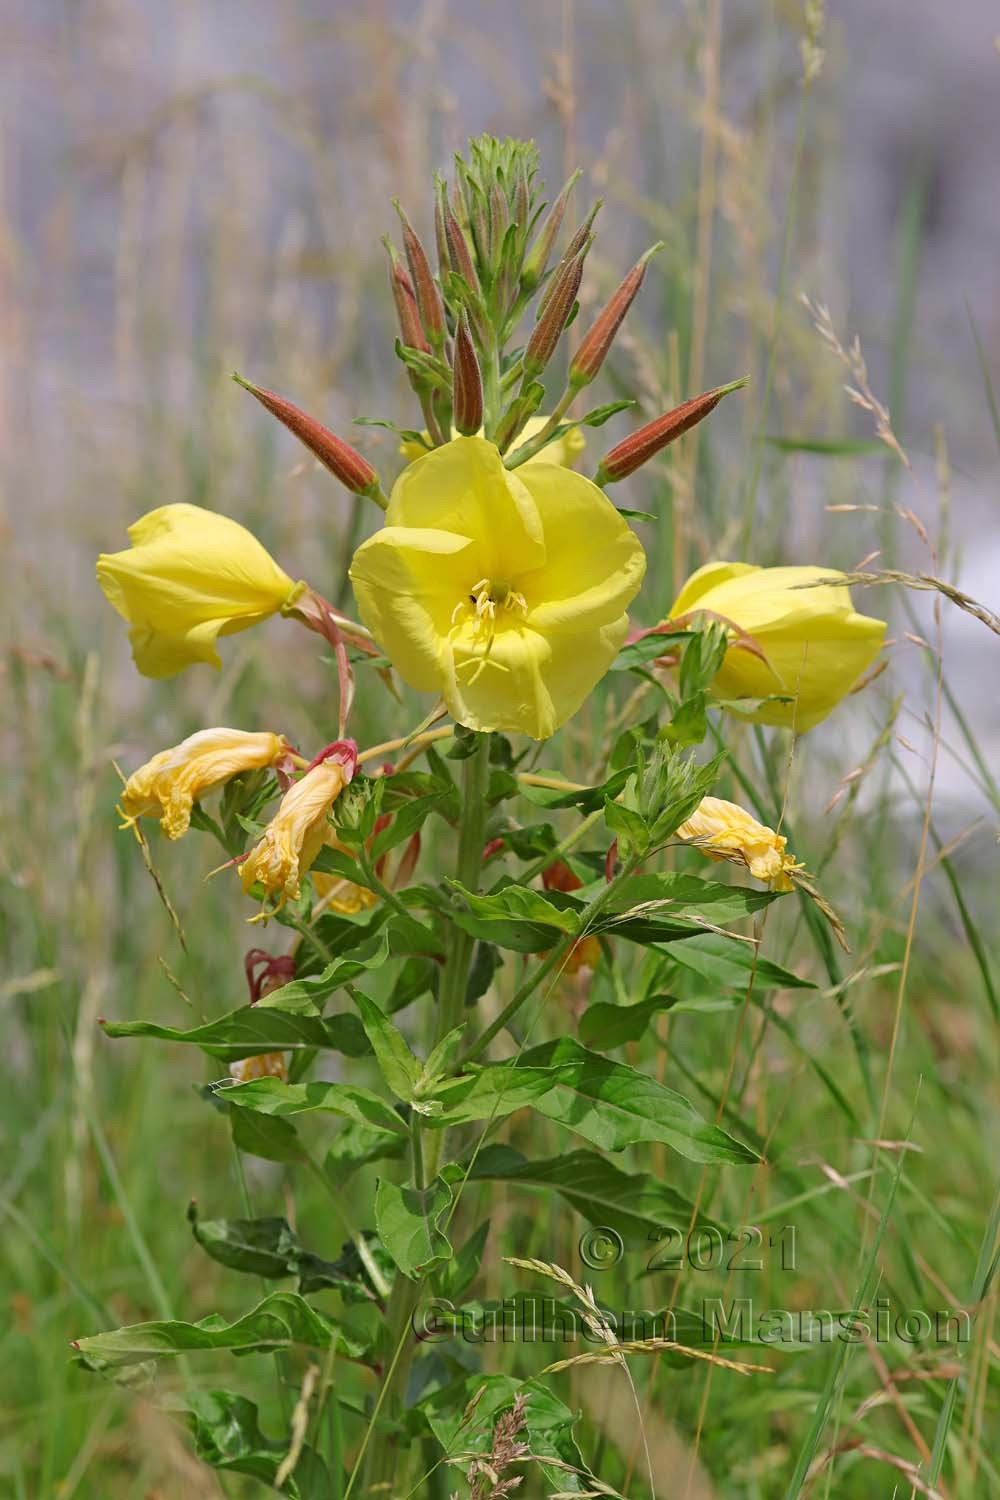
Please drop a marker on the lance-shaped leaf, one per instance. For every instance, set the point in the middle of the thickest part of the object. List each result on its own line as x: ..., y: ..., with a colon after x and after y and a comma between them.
x: 254, y: 1029
x: 265, y: 1136
x: 515, y: 917
x: 397, y: 1064
x: 633, y: 1203
x: 282, y: 1319
x: 272, y: 1097
x: 355, y: 1146
x: 729, y: 965
x: 408, y: 1223
x: 658, y: 908
x: 609, y: 1104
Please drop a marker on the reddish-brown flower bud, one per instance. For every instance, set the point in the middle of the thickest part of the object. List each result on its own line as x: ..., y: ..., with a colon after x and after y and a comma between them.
x: 467, y: 387
x: 633, y: 451
x: 459, y: 250
x: 581, y: 241
x: 425, y: 287
x: 411, y: 329
x: 553, y: 316
x: 592, y: 351
x: 344, y: 462
x: 537, y: 258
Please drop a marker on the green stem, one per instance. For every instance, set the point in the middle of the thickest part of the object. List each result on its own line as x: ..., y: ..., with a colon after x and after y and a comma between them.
x: 552, y: 960
x: 471, y: 837
x: 381, y: 1459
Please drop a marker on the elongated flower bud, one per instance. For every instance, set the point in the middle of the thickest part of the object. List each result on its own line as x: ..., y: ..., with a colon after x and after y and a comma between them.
x: 552, y: 319
x: 592, y: 351
x: 459, y: 250
x: 344, y: 462
x: 538, y: 256
x: 468, y: 383
x: 425, y: 288
x: 410, y: 327
x: 581, y: 241
x: 633, y: 451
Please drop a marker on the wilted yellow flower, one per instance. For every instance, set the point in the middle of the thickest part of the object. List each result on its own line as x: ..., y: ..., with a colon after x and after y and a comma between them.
x: 503, y: 591
x: 190, y: 576
x: 563, y: 451
x: 168, y: 786
x: 298, y: 830
x: 722, y: 830
x: 264, y: 1065
x: 815, y: 645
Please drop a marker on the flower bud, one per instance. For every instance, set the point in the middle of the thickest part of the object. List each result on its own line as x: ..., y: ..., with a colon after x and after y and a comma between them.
x: 459, y: 250
x: 592, y: 351
x: 428, y: 298
x: 554, y: 315
x: 582, y: 240
x: 633, y: 451
x: 538, y: 256
x: 410, y: 328
x: 798, y: 646
x: 468, y: 382
x: 344, y: 462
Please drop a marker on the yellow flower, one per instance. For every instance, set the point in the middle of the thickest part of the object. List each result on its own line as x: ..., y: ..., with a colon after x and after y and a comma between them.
x: 191, y: 575
x: 168, y: 786
x: 815, y: 645
x: 299, y: 829
x: 722, y: 830
x: 503, y: 591
x: 563, y: 451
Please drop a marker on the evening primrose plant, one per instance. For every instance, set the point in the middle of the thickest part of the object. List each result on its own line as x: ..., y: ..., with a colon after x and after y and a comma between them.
x: 430, y: 896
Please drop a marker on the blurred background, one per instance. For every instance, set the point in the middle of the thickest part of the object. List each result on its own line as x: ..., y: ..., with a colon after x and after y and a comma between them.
x: 195, y: 188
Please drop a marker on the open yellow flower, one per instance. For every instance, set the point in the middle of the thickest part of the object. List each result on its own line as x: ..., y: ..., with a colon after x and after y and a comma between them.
x: 171, y: 783
x: 190, y: 576
x: 723, y: 830
x: 300, y: 827
x: 815, y: 645
x: 563, y: 451
x: 503, y: 591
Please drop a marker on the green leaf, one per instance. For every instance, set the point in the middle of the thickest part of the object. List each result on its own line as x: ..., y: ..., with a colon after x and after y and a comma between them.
x: 587, y: 798
x: 601, y: 414
x: 407, y: 1220
x: 461, y: 1271
x: 228, y: 1436
x: 254, y: 1029
x: 609, y: 1104
x: 659, y: 908
x: 355, y: 1146
x: 260, y: 1135
x: 606, y: 1025
x: 307, y: 995
x: 282, y: 1319
x: 272, y: 1097
x: 397, y: 1064
x: 634, y: 1204
x: 636, y: 515
x: 648, y: 647
x: 269, y: 1247
x: 514, y: 917
x: 724, y: 962
x: 405, y: 823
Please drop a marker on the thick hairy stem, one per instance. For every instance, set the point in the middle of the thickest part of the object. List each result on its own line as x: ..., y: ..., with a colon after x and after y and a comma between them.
x: 383, y: 1456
